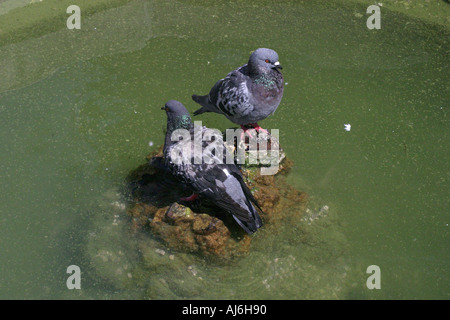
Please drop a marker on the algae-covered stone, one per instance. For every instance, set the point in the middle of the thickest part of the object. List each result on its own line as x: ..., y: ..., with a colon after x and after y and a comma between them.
x: 178, y: 214
x: 205, y: 224
x: 155, y: 242
x: 201, y: 227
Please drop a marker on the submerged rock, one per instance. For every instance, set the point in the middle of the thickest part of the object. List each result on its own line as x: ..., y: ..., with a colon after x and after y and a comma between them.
x: 152, y: 246
x: 201, y: 227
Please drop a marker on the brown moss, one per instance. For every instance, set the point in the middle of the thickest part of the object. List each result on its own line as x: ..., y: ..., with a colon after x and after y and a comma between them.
x: 207, y: 230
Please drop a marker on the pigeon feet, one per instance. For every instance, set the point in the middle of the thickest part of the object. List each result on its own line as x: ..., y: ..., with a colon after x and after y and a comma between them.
x: 246, y: 132
x: 192, y: 197
x: 258, y: 128
x: 250, y: 126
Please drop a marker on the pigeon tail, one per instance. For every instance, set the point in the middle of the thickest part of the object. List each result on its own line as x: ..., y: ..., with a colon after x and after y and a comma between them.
x: 255, y: 223
x: 203, y: 101
x: 250, y: 226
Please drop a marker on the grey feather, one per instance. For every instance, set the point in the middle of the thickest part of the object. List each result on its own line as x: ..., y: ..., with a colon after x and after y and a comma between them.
x: 248, y: 94
x: 220, y: 182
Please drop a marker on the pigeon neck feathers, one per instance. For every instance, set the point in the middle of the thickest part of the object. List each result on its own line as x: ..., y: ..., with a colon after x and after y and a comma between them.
x: 177, y: 118
x: 178, y: 121
x: 266, y: 79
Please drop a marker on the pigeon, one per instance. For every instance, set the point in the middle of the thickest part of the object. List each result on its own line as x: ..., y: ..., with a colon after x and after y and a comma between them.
x: 248, y: 94
x: 219, y: 182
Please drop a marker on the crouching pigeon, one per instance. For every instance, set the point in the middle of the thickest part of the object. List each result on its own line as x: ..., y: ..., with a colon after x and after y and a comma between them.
x: 222, y: 183
x: 248, y: 94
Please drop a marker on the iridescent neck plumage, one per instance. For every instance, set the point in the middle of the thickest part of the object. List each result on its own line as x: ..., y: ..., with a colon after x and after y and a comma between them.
x: 178, y: 121
x: 266, y: 79
x: 175, y: 122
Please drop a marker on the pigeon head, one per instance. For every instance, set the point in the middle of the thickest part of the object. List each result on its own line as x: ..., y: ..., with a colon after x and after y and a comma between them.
x: 177, y: 115
x: 263, y: 60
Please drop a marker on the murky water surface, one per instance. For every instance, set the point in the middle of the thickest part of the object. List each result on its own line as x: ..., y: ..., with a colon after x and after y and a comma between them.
x: 80, y: 109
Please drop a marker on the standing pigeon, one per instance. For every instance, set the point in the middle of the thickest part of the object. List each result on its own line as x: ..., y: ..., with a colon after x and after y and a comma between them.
x: 220, y: 182
x: 248, y: 94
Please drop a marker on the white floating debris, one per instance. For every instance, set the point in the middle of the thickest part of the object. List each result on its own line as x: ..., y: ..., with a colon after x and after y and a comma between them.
x: 160, y: 251
x: 118, y: 205
x: 323, y: 210
x: 150, y: 143
x: 192, y: 270
x: 266, y: 284
x: 347, y: 127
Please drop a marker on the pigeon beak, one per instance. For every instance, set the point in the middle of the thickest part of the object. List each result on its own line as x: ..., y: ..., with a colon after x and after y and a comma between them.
x: 164, y: 108
x: 277, y: 65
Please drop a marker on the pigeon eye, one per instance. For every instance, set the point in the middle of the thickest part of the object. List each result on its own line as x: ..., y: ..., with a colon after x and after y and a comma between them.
x: 267, y: 60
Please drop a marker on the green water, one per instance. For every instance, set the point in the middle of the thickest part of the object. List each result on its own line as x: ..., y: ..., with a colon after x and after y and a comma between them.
x: 79, y: 109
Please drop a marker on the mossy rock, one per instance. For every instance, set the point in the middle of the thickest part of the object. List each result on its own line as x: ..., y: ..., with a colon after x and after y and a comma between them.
x: 202, y: 228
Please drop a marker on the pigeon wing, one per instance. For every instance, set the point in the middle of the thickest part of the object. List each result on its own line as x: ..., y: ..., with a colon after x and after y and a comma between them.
x: 231, y: 95
x: 217, y: 183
